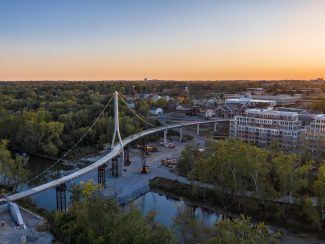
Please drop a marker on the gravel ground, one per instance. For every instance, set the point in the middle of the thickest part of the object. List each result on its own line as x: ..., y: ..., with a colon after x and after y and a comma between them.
x: 132, y: 184
x: 12, y: 236
x: 9, y: 233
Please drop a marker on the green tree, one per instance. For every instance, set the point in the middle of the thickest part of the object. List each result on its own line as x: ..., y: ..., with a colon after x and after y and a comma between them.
x: 37, y: 133
x: 5, y: 161
x: 319, y: 187
x: 188, y: 159
x: 309, y: 216
x: 161, y: 102
x: 238, y: 230
x: 241, y: 230
x: 189, y: 230
x: 18, y: 171
x: 258, y: 171
x: 142, y: 107
x: 224, y: 165
x: 13, y: 170
x: 318, y: 105
x: 127, y: 126
x: 94, y: 219
x: 290, y: 173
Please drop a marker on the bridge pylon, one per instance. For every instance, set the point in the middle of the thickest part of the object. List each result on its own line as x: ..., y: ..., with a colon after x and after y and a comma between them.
x: 117, y: 132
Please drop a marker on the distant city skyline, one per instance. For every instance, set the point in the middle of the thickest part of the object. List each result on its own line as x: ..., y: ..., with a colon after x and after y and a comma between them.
x: 165, y: 40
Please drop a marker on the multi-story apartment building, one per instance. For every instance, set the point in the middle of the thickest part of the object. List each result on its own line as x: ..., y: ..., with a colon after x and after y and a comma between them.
x: 313, y: 136
x: 264, y: 126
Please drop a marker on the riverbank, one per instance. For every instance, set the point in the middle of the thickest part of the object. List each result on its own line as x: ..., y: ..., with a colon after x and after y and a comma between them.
x: 67, y: 163
x: 284, y: 217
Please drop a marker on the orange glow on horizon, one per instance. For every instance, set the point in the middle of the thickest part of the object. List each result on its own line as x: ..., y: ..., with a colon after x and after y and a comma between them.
x: 267, y: 46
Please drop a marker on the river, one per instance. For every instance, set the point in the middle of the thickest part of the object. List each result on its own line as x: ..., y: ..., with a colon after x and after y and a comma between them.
x: 47, y: 199
x: 166, y: 208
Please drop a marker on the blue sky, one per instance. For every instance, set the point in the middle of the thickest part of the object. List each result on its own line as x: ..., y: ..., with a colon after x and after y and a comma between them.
x: 42, y: 39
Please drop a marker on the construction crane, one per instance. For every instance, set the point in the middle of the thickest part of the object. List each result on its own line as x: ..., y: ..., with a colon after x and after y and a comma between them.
x: 145, y: 167
x: 155, y: 88
x: 134, y: 93
x: 134, y: 97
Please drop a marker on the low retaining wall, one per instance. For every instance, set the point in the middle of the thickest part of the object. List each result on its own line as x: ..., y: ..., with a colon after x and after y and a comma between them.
x: 134, y: 195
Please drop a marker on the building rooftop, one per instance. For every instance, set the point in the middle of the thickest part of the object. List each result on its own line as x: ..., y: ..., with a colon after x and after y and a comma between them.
x: 298, y: 110
x: 278, y: 96
x: 245, y: 100
x: 320, y: 116
x: 270, y: 111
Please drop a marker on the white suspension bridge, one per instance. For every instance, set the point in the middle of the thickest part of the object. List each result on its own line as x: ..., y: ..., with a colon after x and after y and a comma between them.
x: 115, y: 156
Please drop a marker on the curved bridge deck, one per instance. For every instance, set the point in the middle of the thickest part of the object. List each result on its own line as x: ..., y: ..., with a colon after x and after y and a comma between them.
x: 115, y: 152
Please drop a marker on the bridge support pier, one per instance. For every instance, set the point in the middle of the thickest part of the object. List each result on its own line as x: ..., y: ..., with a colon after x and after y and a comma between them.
x: 117, y: 166
x: 61, y: 200
x: 165, y: 137
x: 181, y: 134
x: 127, y: 156
x: 198, y: 129
x: 215, y: 127
x: 101, y: 175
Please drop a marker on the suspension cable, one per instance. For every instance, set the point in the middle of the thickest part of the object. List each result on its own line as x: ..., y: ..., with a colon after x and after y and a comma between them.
x: 136, y: 114
x: 74, y: 146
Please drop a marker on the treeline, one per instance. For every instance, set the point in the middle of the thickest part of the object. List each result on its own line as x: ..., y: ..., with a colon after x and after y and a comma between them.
x: 318, y: 105
x: 48, y: 118
x: 242, y: 170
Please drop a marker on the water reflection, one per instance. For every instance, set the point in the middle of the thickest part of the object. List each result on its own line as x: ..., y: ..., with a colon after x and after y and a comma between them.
x: 47, y: 198
x: 167, y: 208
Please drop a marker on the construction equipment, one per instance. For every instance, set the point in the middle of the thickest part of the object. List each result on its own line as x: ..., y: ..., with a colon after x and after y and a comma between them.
x: 151, y: 148
x: 145, y: 168
x: 147, y: 148
x: 167, y: 144
x: 169, y: 162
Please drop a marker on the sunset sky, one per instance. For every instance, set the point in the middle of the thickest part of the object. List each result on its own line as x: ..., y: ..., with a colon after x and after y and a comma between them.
x: 161, y: 39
